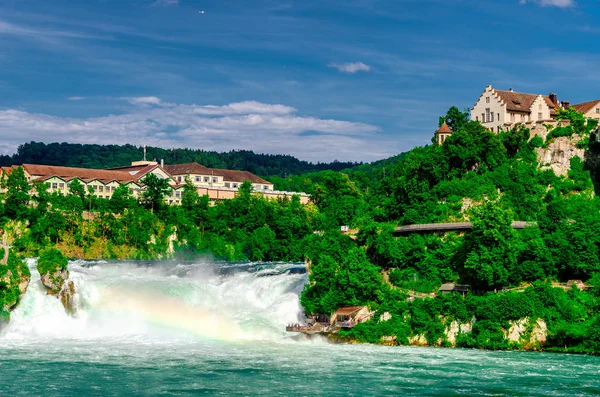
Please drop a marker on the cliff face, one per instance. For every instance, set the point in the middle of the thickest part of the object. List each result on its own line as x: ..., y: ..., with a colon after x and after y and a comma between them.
x: 54, y: 274
x: 58, y: 284
x: 558, y: 154
x: 14, y: 280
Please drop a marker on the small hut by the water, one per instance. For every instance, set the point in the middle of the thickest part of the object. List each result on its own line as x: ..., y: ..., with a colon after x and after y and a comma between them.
x: 350, y: 316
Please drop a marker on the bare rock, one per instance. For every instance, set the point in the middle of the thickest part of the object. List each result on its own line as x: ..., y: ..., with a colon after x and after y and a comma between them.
x: 54, y: 282
x: 558, y: 154
x: 67, y: 297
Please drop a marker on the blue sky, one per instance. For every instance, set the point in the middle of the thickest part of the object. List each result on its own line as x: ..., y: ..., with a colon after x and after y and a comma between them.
x: 322, y: 80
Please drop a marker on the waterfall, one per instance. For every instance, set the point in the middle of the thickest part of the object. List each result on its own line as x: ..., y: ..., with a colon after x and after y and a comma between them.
x: 162, y: 300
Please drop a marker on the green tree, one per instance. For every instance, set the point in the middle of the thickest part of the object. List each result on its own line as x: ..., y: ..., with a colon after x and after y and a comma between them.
x: 489, y: 250
x: 455, y: 119
x: 121, y: 199
x: 17, y: 195
x: 77, y: 189
x: 156, y: 188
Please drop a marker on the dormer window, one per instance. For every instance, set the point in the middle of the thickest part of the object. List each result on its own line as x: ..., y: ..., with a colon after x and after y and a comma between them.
x: 487, y: 99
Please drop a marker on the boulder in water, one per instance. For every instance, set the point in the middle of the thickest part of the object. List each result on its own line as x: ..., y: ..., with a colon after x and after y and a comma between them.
x: 52, y: 266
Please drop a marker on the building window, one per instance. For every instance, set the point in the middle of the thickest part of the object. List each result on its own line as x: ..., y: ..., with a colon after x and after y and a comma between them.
x: 206, y: 179
x: 487, y: 99
x: 482, y: 117
x: 54, y: 185
x: 197, y: 179
x: 235, y: 185
x: 61, y: 185
x: 488, y: 115
x: 267, y: 188
x: 227, y: 184
x: 178, y: 179
x: 476, y: 118
x: 512, y: 117
x: 498, y: 116
x: 101, y: 188
x: 215, y: 180
x: 539, y: 116
x: 597, y: 110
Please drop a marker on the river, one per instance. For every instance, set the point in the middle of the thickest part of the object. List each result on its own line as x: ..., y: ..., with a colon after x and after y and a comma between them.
x: 217, y: 329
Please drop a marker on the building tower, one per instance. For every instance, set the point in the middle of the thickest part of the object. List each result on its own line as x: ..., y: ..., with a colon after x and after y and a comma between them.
x: 442, y: 134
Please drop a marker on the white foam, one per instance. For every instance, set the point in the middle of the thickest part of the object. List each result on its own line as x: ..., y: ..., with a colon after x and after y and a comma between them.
x: 123, y: 300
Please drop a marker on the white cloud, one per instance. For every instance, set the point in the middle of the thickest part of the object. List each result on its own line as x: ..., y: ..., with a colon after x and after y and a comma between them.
x: 76, y: 98
x: 264, y: 128
x: 166, y: 3
x: 143, y: 100
x: 552, y: 3
x: 350, y: 67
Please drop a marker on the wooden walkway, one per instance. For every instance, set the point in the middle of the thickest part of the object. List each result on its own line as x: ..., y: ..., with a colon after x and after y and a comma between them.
x: 449, y: 227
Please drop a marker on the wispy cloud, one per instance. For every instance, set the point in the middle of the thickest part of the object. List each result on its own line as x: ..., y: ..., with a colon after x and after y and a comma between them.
x: 166, y: 3
x: 12, y: 29
x: 552, y: 3
x: 268, y: 128
x: 76, y: 98
x: 350, y: 67
x: 143, y: 100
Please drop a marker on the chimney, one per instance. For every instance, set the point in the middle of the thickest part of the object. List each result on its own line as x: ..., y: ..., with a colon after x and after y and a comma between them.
x: 510, y: 90
x: 553, y: 98
x: 565, y: 104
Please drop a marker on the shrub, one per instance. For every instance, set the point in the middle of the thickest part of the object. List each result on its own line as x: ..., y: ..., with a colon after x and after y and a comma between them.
x: 51, y: 261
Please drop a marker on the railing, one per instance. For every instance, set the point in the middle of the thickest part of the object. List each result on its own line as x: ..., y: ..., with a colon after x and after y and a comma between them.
x: 451, y: 226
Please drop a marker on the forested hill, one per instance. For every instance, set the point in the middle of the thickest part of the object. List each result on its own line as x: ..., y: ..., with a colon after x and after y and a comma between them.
x: 106, y: 156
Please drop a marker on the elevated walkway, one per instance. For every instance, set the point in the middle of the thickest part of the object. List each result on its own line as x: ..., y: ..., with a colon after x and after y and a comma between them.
x: 449, y: 227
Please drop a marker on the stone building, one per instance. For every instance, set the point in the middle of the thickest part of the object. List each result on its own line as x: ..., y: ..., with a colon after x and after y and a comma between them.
x: 217, y: 184
x: 497, y: 109
x: 589, y: 109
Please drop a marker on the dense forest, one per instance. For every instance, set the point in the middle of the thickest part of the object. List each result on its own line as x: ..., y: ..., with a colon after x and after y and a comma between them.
x: 107, y: 156
x: 476, y: 175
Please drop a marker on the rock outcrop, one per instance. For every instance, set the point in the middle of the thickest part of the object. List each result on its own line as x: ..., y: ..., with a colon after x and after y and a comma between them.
x: 52, y: 266
x: 58, y: 284
x: 557, y: 156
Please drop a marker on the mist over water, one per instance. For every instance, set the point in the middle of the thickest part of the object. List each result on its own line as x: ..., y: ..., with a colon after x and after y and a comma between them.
x: 124, y: 300
x: 218, y: 329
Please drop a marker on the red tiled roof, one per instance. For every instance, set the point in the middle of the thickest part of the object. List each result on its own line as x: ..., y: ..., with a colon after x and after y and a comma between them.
x: 444, y: 129
x: 187, y: 168
x: 45, y: 171
x: 238, y: 176
x: 521, y: 102
x: 586, y: 106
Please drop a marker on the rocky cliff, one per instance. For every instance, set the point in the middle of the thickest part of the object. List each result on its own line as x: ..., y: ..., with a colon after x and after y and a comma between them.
x: 52, y: 266
x: 14, y: 280
x: 558, y: 154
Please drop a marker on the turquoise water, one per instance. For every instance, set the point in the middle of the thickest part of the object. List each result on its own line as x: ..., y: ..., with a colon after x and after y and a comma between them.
x: 222, y: 336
